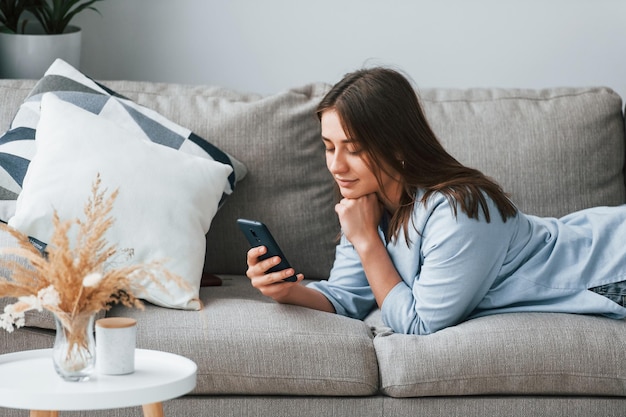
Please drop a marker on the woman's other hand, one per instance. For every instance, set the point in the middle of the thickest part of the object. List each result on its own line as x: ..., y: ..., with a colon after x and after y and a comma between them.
x: 359, y: 218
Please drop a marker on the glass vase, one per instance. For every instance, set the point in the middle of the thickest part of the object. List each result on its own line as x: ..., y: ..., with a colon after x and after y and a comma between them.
x: 74, y: 350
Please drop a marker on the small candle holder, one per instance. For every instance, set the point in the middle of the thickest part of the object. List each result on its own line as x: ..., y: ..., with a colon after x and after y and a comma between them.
x: 115, y: 345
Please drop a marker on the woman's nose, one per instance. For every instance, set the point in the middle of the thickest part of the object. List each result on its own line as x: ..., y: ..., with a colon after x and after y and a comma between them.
x: 336, y: 163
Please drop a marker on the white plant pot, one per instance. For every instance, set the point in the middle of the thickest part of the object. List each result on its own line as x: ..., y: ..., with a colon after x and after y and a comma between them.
x: 30, y: 54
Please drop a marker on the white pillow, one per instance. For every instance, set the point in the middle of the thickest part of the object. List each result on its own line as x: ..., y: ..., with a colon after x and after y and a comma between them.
x: 167, y: 199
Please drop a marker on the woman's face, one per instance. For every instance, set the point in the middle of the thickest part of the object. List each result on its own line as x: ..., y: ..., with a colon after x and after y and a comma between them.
x: 349, y: 164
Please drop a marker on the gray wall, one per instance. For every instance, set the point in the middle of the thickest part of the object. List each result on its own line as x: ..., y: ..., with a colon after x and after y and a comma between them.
x: 269, y: 45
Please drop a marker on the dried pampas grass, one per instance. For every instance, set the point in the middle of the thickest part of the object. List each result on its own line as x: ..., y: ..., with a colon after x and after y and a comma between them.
x: 74, y: 281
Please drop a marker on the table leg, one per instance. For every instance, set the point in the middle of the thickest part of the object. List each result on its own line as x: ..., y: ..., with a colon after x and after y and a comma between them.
x: 153, y: 410
x: 149, y: 410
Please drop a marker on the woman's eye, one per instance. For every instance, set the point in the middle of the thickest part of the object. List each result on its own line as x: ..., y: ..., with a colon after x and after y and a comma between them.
x: 329, y: 150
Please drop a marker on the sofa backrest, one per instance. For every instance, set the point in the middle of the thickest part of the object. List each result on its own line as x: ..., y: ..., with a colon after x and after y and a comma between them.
x: 287, y: 186
x: 554, y: 150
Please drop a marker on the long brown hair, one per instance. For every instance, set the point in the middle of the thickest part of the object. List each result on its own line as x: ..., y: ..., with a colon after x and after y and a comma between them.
x: 379, y: 108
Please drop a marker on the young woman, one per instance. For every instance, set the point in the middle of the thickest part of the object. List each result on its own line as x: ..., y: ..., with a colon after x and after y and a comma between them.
x: 432, y: 242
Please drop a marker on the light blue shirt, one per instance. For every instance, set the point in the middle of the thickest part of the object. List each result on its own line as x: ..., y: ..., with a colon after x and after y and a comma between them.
x: 458, y: 268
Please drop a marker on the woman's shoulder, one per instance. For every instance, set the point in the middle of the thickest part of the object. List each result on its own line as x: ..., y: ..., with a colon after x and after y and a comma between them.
x: 440, y: 225
x: 435, y: 201
x: 435, y: 208
x: 445, y: 206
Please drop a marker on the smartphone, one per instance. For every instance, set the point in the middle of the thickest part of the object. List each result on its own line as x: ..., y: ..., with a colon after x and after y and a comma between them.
x: 258, y: 234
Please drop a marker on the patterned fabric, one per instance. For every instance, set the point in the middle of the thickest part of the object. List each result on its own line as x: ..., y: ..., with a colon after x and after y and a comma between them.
x: 615, y: 292
x: 17, y: 146
x: 165, y: 204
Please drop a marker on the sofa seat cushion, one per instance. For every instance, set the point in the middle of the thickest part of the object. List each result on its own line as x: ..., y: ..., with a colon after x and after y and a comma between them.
x: 519, y: 354
x: 244, y: 343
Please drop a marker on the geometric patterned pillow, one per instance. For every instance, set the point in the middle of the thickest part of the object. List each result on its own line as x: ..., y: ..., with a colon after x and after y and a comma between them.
x: 17, y: 145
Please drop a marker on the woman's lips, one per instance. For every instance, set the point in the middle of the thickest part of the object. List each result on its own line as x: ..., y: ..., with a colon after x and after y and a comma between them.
x: 344, y: 183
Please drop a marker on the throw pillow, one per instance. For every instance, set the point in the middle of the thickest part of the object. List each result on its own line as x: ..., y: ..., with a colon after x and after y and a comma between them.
x: 17, y: 145
x: 167, y: 199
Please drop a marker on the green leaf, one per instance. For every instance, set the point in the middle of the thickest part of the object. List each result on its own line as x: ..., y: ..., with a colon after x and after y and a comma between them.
x: 56, y: 15
x: 10, y: 13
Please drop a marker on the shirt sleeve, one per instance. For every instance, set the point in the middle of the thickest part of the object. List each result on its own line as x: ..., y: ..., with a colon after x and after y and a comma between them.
x: 347, y: 288
x: 460, y: 260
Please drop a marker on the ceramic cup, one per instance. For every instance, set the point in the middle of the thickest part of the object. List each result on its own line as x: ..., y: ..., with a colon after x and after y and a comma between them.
x: 115, y: 345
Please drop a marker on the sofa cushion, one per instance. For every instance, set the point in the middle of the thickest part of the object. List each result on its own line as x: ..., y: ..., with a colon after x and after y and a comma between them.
x: 17, y: 145
x: 12, y: 93
x: 290, y: 191
x: 521, y: 353
x: 288, y: 187
x: 166, y: 202
x: 554, y: 150
x: 244, y: 343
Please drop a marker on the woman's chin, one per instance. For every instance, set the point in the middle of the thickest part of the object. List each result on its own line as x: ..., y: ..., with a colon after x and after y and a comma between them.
x: 351, y: 194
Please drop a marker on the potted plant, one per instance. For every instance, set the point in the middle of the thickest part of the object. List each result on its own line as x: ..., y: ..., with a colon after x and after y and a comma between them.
x: 33, y: 33
x: 10, y: 13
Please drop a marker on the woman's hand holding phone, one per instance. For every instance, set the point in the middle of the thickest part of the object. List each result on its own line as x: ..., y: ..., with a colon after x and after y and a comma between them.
x: 270, y: 284
x: 271, y: 274
x: 267, y: 265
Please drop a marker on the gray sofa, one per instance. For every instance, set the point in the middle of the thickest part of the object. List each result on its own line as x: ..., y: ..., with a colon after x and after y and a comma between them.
x: 555, y: 150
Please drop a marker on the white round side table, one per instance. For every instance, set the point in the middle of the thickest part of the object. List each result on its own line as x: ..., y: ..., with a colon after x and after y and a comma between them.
x: 30, y: 382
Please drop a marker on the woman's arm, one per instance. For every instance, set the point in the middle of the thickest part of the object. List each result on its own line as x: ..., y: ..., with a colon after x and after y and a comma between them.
x: 461, y: 258
x: 448, y: 269
x: 359, y: 220
x: 379, y: 270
